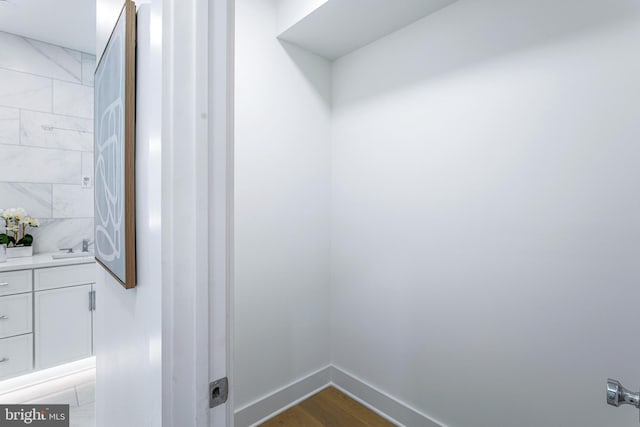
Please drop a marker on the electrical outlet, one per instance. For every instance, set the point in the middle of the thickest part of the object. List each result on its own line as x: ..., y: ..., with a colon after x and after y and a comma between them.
x: 87, y: 182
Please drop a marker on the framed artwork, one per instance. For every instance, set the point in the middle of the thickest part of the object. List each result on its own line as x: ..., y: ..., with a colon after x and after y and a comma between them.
x: 114, y: 151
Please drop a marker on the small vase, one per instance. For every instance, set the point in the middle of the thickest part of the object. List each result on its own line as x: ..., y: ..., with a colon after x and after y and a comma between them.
x: 19, y: 251
x: 3, y: 253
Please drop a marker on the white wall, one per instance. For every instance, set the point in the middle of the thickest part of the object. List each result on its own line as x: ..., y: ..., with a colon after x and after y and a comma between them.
x: 282, y: 128
x: 291, y: 11
x: 73, y: 27
x: 128, y: 334
x: 485, y: 214
x: 107, y: 12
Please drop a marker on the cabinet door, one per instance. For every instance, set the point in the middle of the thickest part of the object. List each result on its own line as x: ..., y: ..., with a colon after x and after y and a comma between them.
x: 62, y: 325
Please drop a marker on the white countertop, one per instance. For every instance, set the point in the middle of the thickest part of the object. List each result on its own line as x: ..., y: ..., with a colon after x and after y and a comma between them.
x: 42, y: 260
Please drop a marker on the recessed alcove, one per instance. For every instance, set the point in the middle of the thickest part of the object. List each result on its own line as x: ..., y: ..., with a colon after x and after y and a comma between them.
x: 333, y: 28
x: 420, y: 187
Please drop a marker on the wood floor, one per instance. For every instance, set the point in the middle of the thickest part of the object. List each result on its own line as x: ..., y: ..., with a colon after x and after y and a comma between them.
x: 329, y: 408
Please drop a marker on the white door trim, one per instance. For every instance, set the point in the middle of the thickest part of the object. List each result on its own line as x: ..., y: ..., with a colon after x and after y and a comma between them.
x: 185, y: 213
x: 221, y: 69
x: 197, y: 41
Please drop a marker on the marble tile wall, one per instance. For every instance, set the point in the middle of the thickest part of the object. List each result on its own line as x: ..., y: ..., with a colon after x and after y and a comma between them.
x: 46, y: 138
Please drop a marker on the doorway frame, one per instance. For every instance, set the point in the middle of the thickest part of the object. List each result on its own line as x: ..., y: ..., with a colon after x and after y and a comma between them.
x: 197, y: 264
x: 221, y: 68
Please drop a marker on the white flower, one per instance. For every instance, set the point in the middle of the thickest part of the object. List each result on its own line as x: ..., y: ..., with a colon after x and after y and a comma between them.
x: 20, y: 213
x: 13, y: 213
x: 27, y: 220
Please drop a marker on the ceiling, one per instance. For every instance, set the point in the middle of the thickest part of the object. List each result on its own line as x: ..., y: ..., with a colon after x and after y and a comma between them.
x: 334, y: 28
x: 68, y: 23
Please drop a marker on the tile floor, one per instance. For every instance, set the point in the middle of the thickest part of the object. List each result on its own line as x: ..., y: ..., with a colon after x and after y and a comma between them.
x: 76, y: 389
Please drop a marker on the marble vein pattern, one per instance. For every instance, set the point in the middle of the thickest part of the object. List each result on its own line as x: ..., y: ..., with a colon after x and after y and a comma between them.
x: 43, y: 59
x: 83, y: 416
x: 72, y: 201
x: 54, y: 131
x: 66, y: 396
x: 9, y: 125
x: 88, y: 69
x: 39, y: 165
x: 46, y: 138
x: 21, y: 90
x: 87, y: 165
x: 72, y: 389
x: 72, y: 99
x: 54, y: 234
x: 35, y: 198
x: 86, y: 393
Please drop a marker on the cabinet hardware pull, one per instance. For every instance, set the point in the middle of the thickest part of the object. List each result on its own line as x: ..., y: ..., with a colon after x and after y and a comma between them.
x: 4, y: 283
x: 92, y: 300
x: 5, y: 317
x: 4, y: 359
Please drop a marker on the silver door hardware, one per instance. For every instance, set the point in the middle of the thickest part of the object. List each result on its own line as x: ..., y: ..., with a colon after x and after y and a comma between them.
x: 618, y: 395
x: 4, y: 284
x: 218, y: 392
x: 92, y: 300
x: 4, y: 317
x: 4, y: 359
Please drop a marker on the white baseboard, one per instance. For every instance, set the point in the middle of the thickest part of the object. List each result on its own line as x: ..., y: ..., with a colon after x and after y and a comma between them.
x: 279, y: 401
x: 386, y: 406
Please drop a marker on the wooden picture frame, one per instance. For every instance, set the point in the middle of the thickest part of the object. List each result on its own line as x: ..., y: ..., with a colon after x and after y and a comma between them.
x: 114, y: 151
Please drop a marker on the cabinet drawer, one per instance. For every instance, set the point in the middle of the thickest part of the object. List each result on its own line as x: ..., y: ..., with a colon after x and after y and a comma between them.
x: 15, y: 315
x: 58, y: 277
x: 16, y: 355
x: 15, y: 282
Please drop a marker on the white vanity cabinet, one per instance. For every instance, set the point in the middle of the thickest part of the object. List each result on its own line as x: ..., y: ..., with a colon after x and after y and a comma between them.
x: 46, y: 313
x: 16, y: 327
x: 15, y: 282
x: 16, y: 355
x: 63, y: 323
